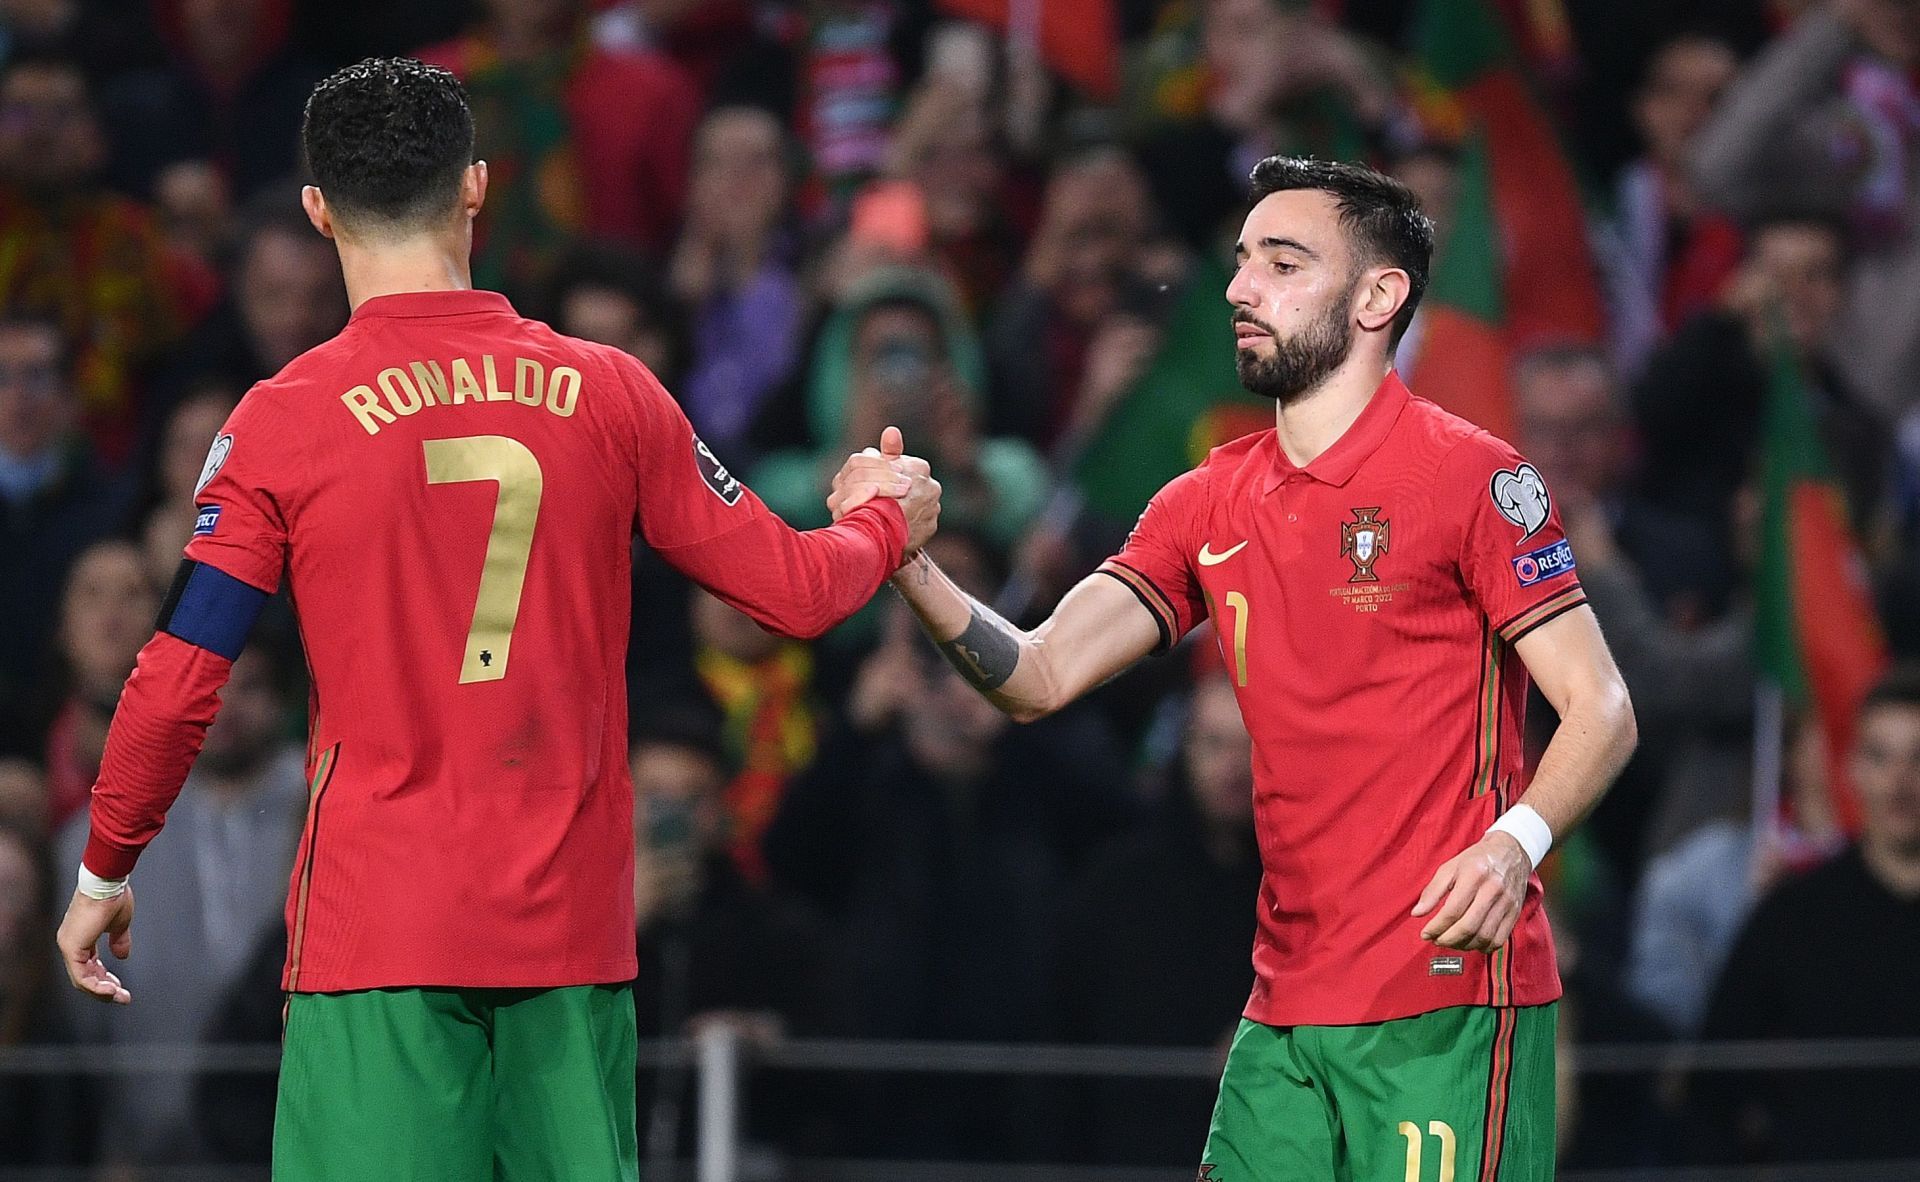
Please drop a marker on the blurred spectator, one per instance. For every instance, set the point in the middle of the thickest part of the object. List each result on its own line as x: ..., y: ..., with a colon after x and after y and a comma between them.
x: 1827, y: 119
x: 947, y: 145
x: 42, y: 1118
x: 195, y: 206
x: 1695, y: 897
x: 54, y: 501
x: 1834, y: 954
x: 937, y: 841
x: 287, y: 296
x: 209, y: 887
x: 1575, y: 425
x: 105, y: 36
x: 555, y: 117
x: 91, y: 261
x: 191, y: 428
x: 106, y: 614
x: 1082, y: 321
x: 763, y: 685
x: 703, y: 36
x: 177, y: 464
x: 712, y: 945
x: 613, y: 296
x: 733, y: 268
x: 1700, y: 400
x: 1672, y: 253
x: 852, y: 61
x: 1279, y: 77
x: 1153, y: 939
x: 232, y: 94
x: 1692, y: 681
x: 23, y: 797
x: 898, y: 352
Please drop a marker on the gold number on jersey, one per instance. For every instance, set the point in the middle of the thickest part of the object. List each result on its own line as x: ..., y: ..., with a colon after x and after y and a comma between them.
x: 1237, y: 603
x: 508, y: 463
x: 1448, y: 1148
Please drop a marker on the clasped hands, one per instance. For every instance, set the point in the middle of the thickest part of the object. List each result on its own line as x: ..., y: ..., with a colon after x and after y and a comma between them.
x: 887, y: 471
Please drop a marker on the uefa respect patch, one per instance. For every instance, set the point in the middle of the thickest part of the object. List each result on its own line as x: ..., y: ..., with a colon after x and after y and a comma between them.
x: 206, y: 520
x: 1544, y: 563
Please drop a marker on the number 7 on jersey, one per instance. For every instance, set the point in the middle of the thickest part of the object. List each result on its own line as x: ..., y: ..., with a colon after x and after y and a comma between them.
x: 509, y: 464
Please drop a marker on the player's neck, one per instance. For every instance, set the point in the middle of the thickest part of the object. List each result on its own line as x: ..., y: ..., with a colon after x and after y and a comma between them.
x: 423, y: 263
x: 1314, y: 422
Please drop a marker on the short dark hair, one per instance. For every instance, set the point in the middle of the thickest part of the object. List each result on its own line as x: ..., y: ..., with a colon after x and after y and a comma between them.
x: 388, y: 139
x: 1382, y: 217
x: 602, y: 265
x: 1899, y: 687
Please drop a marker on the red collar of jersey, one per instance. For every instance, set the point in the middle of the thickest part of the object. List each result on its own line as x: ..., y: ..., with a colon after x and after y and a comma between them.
x: 433, y: 303
x: 1338, y: 463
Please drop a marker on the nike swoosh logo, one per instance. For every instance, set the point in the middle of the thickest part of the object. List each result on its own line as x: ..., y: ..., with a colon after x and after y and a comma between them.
x: 1209, y: 558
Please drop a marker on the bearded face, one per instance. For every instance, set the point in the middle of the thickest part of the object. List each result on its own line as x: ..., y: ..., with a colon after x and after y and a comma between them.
x: 1285, y: 368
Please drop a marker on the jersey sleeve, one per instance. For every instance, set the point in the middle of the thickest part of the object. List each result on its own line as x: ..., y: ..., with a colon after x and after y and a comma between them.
x: 1513, y: 558
x: 710, y: 527
x: 240, y: 506
x: 1156, y: 563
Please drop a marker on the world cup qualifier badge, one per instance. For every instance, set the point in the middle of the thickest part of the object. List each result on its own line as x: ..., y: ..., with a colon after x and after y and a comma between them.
x: 723, y: 483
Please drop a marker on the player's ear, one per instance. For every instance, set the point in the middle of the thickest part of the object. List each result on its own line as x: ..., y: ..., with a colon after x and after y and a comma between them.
x: 315, y: 203
x: 1381, y: 295
x: 473, y: 188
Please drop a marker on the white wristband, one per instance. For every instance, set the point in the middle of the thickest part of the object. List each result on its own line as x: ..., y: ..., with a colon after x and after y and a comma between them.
x: 95, y: 887
x: 1525, y: 826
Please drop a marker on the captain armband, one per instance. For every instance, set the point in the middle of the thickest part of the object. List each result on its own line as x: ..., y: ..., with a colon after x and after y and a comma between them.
x: 210, y: 609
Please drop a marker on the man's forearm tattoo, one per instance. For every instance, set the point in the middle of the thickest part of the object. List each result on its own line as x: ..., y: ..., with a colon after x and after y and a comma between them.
x: 986, y: 653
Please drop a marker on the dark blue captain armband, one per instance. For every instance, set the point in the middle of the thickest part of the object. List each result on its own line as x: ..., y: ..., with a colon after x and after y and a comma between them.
x: 209, y: 608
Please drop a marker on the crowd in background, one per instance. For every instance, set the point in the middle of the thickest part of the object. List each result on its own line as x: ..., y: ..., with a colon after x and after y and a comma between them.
x: 814, y: 218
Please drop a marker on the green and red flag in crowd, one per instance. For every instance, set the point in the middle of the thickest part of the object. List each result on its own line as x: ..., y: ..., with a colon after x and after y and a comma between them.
x: 1188, y: 402
x: 1816, y: 635
x: 1515, y: 261
x: 1465, y: 350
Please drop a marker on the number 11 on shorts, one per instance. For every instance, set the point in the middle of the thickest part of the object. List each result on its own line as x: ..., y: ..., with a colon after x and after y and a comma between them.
x: 1448, y: 1149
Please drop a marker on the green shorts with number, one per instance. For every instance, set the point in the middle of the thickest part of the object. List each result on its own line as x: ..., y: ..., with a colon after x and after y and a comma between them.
x: 1458, y: 1095
x: 412, y: 1085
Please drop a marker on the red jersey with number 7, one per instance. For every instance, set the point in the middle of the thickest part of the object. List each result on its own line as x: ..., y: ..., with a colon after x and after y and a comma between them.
x: 1367, y: 606
x: 452, y: 493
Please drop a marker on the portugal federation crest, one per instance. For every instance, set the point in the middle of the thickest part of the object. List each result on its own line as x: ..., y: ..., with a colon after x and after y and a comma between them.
x: 1362, y: 541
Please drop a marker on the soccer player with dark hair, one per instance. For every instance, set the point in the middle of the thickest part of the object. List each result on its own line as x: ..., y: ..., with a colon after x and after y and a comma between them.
x: 1384, y: 578
x: 450, y: 492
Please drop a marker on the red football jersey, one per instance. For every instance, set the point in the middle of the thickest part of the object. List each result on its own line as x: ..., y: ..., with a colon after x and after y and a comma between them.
x: 1367, y: 606
x: 452, y: 492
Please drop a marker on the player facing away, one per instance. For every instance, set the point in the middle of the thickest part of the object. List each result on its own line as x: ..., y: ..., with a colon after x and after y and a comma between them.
x: 1384, y: 578
x: 452, y: 493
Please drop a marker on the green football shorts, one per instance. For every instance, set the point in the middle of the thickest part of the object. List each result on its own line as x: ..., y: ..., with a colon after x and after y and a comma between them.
x: 451, y: 1085
x: 1458, y: 1095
